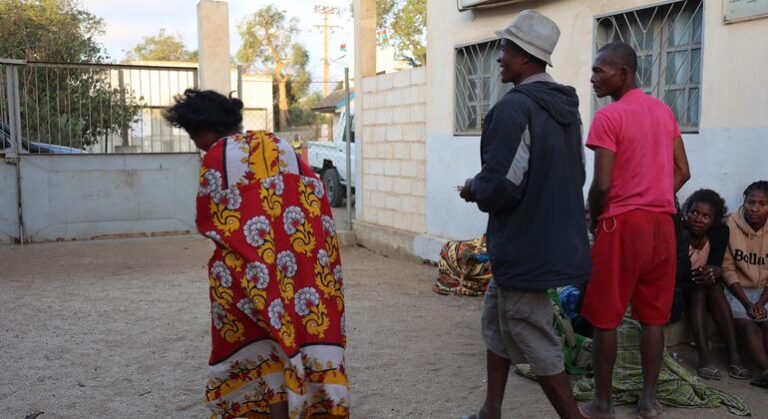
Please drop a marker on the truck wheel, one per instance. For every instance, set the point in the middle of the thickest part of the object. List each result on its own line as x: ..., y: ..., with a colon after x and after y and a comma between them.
x: 333, y: 187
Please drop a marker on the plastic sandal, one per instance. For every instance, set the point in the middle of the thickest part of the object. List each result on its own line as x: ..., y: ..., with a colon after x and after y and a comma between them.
x: 708, y: 373
x: 739, y: 372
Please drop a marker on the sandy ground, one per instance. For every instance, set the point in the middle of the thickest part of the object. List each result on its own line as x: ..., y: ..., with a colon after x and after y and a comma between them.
x: 119, y: 329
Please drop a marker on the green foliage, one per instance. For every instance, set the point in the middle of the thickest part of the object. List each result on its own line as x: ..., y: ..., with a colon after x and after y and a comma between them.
x: 49, y: 30
x: 161, y: 47
x: 301, y: 113
x: 268, y: 43
x: 300, y: 78
x: 406, y: 22
x: 409, y: 29
x: 63, y: 105
x: 269, y: 47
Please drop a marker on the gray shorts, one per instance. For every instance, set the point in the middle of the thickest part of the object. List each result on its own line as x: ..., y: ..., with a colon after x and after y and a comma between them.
x: 738, y: 310
x: 517, y: 325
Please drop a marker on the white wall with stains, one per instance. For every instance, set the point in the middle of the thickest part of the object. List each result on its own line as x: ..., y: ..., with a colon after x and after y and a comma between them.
x: 729, y: 151
x: 9, y: 215
x: 80, y: 197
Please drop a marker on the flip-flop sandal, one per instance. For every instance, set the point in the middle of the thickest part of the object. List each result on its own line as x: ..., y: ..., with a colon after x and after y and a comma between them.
x: 759, y: 382
x: 524, y: 370
x: 739, y: 372
x: 658, y: 410
x: 708, y: 373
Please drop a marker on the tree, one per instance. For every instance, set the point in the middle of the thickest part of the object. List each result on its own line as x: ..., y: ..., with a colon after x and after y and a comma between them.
x: 409, y: 27
x: 269, y: 47
x: 302, y: 113
x: 49, y: 30
x: 405, y: 22
x: 161, y: 47
x: 61, y: 102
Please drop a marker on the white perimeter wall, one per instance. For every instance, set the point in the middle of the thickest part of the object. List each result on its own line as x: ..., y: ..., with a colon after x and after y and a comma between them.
x: 9, y: 215
x: 97, y: 196
x: 394, y: 171
x: 730, y: 150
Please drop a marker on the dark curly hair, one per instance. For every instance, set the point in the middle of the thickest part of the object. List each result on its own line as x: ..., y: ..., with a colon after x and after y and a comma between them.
x: 196, y: 110
x: 708, y: 196
x: 759, y: 186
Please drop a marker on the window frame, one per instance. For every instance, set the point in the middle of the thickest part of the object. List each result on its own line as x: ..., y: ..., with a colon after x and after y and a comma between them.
x: 659, y: 50
x: 477, y: 105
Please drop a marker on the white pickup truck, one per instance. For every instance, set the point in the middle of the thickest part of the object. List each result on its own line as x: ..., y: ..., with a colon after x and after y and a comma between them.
x: 329, y: 160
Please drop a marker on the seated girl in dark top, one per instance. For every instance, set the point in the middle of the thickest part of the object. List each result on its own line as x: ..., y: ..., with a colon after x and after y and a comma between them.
x: 704, y: 213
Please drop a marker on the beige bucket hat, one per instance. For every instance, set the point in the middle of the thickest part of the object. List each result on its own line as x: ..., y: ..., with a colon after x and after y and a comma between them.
x: 535, y: 33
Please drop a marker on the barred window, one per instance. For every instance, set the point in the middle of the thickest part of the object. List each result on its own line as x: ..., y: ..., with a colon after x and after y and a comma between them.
x: 477, y: 85
x: 667, y: 39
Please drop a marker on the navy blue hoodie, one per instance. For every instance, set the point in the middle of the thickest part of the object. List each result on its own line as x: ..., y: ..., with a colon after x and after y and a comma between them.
x: 531, y: 187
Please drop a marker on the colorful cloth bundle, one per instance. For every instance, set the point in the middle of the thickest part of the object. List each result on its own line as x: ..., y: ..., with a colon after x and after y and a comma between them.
x: 464, y: 268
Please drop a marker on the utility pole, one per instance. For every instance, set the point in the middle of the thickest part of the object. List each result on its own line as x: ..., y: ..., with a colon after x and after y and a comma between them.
x: 326, y: 11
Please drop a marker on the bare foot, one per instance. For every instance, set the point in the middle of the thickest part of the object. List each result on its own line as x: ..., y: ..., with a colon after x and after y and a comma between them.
x: 484, y: 413
x: 649, y: 409
x: 592, y: 411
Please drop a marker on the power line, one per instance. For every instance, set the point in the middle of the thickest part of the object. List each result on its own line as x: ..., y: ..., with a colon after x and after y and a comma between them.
x: 294, y: 82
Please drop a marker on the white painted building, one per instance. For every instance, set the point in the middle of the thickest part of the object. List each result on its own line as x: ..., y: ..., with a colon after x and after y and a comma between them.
x: 706, y: 58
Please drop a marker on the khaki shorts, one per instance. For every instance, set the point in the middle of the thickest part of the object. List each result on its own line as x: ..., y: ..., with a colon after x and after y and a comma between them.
x: 517, y: 325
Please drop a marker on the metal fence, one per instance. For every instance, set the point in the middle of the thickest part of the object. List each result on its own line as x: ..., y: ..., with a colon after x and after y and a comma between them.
x: 67, y: 108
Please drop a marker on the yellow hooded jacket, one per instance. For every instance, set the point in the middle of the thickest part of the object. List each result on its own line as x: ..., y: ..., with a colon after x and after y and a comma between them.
x: 746, y: 260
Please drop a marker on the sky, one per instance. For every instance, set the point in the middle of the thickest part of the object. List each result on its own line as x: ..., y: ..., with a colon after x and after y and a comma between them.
x: 128, y: 22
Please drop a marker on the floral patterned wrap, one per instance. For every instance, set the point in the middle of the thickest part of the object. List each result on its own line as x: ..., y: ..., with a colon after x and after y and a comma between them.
x: 276, y: 287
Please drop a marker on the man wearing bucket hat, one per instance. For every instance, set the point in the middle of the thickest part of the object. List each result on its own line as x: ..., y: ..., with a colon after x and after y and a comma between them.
x: 530, y: 185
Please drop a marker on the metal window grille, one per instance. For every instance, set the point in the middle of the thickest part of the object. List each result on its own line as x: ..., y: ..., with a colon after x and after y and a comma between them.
x: 478, y: 85
x: 667, y: 39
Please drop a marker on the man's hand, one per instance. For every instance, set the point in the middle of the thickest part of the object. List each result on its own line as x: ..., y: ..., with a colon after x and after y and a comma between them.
x: 465, y: 192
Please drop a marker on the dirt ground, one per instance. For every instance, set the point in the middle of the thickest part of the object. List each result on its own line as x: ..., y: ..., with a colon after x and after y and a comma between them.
x: 120, y: 329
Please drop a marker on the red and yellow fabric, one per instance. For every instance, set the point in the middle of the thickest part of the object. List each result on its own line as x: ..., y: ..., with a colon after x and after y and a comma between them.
x: 460, y: 271
x: 276, y: 286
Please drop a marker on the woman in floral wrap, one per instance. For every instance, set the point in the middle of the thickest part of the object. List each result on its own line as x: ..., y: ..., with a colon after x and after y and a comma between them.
x: 277, y: 301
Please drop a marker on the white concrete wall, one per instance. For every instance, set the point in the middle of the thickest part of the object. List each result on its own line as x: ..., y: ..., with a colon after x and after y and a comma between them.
x: 729, y: 151
x: 393, y: 150
x: 257, y: 93
x: 85, y: 197
x: 9, y: 215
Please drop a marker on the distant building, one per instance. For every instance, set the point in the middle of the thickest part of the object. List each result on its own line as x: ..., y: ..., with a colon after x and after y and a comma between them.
x: 153, y: 84
x: 334, y: 104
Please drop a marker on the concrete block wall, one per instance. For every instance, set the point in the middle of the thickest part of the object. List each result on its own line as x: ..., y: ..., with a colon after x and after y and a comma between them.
x: 394, y: 150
